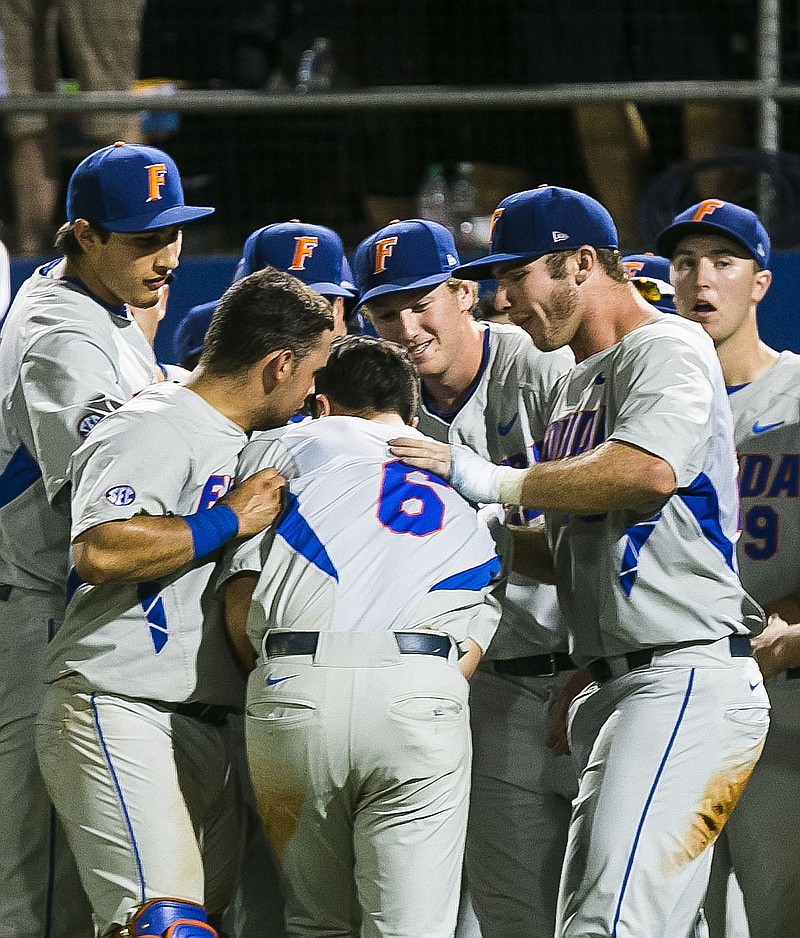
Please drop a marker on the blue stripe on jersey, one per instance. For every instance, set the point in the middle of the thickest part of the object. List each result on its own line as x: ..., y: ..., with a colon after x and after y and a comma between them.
x: 153, y: 608
x: 297, y: 533
x: 476, y: 578
x: 20, y: 473
x: 118, y: 789
x: 649, y: 800
x: 635, y: 538
x: 700, y: 497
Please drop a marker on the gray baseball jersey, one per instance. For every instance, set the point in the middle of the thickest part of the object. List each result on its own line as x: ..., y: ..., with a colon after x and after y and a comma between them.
x: 495, y: 420
x: 316, y: 573
x: 66, y: 359
x: 165, y: 452
x: 664, y: 573
x: 766, y: 415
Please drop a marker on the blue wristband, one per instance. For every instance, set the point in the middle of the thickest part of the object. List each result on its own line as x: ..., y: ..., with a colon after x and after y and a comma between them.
x: 211, y: 528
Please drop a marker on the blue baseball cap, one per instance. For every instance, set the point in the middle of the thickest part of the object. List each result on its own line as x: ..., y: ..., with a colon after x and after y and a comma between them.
x: 713, y: 216
x: 191, y: 331
x: 312, y: 253
x: 404, y: 255
x: 530, y: 224
x: 650, y: 275
x: 126, y: 187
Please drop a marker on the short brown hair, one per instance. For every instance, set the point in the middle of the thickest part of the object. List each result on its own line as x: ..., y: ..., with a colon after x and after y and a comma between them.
x: 609, y: 258
x: 66, y: 242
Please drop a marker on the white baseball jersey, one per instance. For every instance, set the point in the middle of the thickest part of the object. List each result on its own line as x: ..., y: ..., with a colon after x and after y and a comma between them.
x: 506, y: 398
x: 167, y: 452
x: 665, y: 573
x: 317, y: 574
x: 766, y: 416
x: 66, y: 359
x: 5, y: 280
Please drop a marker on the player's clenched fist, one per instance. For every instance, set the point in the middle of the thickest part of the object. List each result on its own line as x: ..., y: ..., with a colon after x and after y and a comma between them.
x: 257, y: 501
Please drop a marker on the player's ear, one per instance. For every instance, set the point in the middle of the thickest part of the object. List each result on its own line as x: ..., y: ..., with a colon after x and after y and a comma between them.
x: 586, y: 261
x: 84, y: 234
x: 276, y: 368
x: 322, y: 405
x: 414, y: 422
x: 761, y: 283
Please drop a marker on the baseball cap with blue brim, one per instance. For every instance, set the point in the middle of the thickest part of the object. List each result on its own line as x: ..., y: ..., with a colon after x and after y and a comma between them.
x: 649, y: 273
x: 713, y: 216
x: 127, y: 188
x: 404, y: 255
x: 312, y: 253
x: 536, y: 222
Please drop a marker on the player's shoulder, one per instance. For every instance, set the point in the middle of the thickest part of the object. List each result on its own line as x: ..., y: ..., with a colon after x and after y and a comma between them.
x: 666, y: 336
x: 786, y: 370
x: 513, y: 349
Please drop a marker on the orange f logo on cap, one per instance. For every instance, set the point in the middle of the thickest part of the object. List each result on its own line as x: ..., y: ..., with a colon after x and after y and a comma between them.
x: 495, y: 219
x: 304, y: 247
x: 156, y: 178
x: 383, y: 251
x: 706, y: 207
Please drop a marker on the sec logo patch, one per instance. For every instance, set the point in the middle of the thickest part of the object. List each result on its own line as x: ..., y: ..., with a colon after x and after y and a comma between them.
x: 120, y: 495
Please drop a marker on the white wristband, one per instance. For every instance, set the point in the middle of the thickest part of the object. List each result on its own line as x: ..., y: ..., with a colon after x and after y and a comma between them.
x: 480, y: 481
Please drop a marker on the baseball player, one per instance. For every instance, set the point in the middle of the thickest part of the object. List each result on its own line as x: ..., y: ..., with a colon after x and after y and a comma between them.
x: 478, y: 382
x: 649, y: 273
x: 357, y: 717
x: 131, y: 735
x: 5, y: 281
x: 70, y: 352
x: 637, y: 482
x: 720, y: 267
x: 312, y: 253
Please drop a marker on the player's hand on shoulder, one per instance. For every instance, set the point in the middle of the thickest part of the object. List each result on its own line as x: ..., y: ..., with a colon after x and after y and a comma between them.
x: 257, y: 501
x: 423, y: 453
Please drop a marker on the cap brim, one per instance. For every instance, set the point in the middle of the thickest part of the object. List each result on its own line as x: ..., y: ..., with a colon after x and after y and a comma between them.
x: 669, y: 238
x: 481, y: 269
x: 178, y: 215
x: 405, y: 283
x: 330, y: 289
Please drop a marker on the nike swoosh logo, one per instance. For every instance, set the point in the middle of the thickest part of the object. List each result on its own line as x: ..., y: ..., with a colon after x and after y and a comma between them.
x: 758, y: 428
x: 505, y: 428
x: 754, y: 686
x: 278, y: 680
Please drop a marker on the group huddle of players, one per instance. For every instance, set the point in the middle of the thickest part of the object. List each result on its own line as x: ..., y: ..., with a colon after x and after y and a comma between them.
x: 294, y: 638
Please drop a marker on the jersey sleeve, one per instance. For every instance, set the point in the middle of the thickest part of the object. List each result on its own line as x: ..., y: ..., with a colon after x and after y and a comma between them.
x: 69, y: 385
x: 664, y: 403
x: 129, y: 466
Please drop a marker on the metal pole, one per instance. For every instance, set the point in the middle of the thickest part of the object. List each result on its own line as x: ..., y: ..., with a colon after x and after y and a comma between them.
x: 768, y: 64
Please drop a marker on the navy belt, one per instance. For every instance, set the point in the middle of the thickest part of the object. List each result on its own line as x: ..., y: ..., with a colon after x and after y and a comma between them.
x: 5, y: 592
x: 305, y: 643
x: 604, y: 669
x: 215, y: 714
x: 535, y: 665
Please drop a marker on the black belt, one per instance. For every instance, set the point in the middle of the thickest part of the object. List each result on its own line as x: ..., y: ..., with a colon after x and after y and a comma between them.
x: 215, y: 714
x: 535, y: 665
x: 305, y: 643
x: 792, y: 674
x: 601, y: 668
x: 5, y: 592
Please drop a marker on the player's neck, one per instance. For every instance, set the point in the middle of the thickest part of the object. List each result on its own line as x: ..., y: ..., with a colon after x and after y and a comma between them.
x: 615, y: 312
x: 744, y: 357
x: 448, y: 390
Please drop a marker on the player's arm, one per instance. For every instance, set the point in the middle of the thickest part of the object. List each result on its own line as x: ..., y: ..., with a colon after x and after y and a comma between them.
x: 471, y: 654
x: 148, y: 547
x: 238, y: 596
x: 612, y: 477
